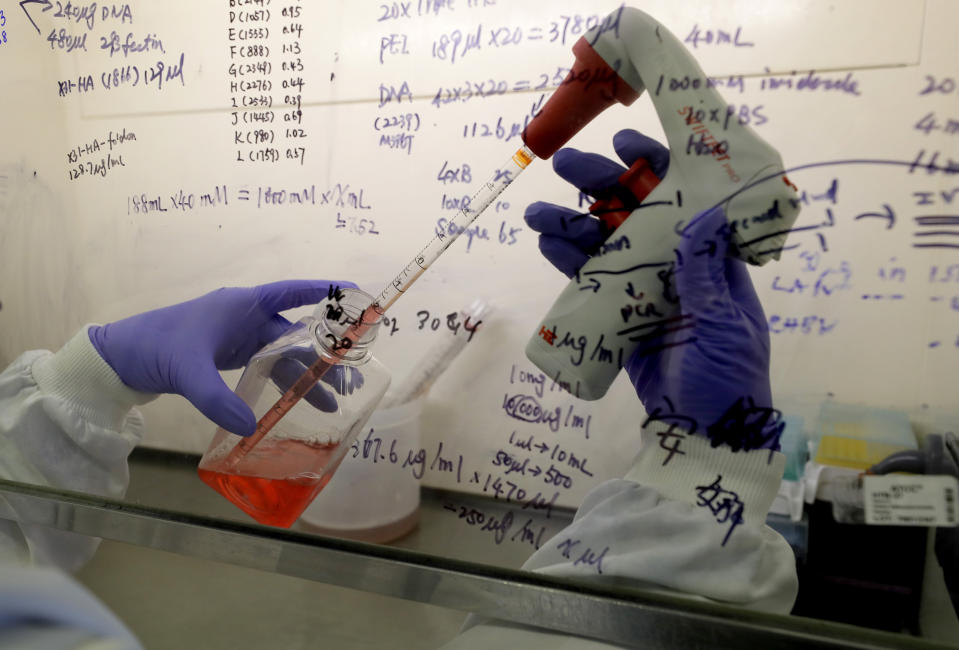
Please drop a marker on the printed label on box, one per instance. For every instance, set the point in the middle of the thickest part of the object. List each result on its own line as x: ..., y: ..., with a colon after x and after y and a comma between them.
x: 911, y: 500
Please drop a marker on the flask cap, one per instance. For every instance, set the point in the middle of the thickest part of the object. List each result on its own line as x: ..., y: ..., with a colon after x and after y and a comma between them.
x: 347, y: 324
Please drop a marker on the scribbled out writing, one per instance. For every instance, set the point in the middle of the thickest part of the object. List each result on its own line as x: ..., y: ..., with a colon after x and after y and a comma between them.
x: 746, y: 425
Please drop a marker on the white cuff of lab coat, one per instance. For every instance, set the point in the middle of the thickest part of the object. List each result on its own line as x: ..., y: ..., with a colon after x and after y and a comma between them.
x: 683, y: 464
x: 79, y: 376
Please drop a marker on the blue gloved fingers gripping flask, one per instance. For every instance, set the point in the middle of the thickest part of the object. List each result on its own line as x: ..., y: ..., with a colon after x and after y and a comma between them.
x: 583, y: 342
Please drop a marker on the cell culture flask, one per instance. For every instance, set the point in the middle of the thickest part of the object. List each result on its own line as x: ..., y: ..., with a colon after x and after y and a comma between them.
x: 274, y: 479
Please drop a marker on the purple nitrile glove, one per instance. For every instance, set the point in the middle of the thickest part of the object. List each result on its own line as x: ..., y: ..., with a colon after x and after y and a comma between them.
x: 711, y: 376
x: 180, y: 349
x: 568, y: 238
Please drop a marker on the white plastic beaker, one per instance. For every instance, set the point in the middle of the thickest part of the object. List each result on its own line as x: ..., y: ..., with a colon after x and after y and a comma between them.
x: 375, y: 494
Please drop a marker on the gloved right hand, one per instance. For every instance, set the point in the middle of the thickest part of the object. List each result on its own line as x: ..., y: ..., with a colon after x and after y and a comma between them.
x: 713, y: 373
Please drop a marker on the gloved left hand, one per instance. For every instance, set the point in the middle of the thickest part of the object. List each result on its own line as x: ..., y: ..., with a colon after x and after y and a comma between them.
x: 713, y: 375
x: 179, y: 349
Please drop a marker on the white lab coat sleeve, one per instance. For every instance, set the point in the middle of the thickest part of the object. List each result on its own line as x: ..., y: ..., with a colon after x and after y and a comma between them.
x: 68, y: 422
x: 687, y: 518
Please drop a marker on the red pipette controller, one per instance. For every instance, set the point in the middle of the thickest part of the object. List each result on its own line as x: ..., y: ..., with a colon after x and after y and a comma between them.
x: 591, y: 87
x: 634, y: 186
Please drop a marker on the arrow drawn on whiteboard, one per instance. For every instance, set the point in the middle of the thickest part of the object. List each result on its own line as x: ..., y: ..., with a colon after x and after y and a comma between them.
x: 47, y: 6
x: 888, y: 215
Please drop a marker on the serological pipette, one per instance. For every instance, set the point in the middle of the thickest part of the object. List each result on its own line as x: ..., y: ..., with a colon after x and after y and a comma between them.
x: 437, y: 245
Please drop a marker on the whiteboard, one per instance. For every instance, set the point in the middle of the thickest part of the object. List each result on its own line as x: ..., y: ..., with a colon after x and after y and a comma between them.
x: 155, y: 151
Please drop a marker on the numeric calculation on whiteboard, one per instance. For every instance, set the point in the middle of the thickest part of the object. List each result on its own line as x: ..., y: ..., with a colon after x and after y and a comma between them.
x: 342, y: 196
x: 520, y: 523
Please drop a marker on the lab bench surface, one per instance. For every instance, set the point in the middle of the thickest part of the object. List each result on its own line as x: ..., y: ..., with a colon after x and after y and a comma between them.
x: 184, y: 568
